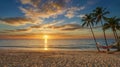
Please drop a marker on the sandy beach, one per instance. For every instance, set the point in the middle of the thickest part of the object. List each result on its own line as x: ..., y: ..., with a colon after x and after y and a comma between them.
x: 24, y: 58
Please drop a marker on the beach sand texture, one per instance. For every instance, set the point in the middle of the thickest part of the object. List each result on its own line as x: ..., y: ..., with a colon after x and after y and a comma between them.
x: 17, y: 58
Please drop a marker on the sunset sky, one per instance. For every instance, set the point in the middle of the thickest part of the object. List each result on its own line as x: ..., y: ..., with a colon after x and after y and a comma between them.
x: 60, y: 19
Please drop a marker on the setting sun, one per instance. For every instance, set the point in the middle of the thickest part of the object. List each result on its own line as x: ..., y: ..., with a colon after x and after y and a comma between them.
x: 45, y: 36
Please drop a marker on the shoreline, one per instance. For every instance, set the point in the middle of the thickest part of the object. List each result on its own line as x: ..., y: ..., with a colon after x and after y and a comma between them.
x: 50, y: 49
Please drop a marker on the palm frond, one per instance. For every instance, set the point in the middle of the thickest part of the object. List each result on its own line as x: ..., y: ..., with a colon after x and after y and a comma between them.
x: 118, y: 28
x: 106, y: 26
x: 83, y: 24
x: 107, y: 12
x: 106, y: 19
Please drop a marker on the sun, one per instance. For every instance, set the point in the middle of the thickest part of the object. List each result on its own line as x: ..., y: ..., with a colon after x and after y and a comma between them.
x: 45, y: 36
x: 45, y: 48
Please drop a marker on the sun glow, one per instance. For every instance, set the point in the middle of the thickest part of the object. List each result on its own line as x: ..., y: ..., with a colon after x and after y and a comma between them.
x: 45, y: 42
x: 45, y: 36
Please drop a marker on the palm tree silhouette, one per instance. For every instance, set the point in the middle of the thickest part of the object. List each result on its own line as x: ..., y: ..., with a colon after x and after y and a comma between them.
x: 99, y: 14
x: 88, y: 21
x: 113, y: 23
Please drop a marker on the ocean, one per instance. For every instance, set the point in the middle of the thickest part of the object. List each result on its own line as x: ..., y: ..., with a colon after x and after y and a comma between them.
x: 53, y: 44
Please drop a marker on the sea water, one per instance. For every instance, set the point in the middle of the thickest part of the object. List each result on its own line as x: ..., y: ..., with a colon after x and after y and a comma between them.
x: 57, y: 44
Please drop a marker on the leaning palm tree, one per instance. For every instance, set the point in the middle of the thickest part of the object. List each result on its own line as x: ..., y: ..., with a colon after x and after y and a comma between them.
x: 113, y: 23
x: 99, y: 14
x: 88, y: 21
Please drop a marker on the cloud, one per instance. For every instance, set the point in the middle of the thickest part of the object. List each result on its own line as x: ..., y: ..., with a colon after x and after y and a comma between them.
x: 54, y: 22
x: 71, y: 27
x: 3, y: 32
x: 25, y: 1
x: 16, y: 21
x: 22, y: 30
x: 36, y: 11
x: 55, y: 26
x: 67, y: 27
x: 19, y: 30
x: 34, y: 3
x: 39, y: 10
x: 52, y: 27
x: 71, y: 12
x: 81, y: 15
x: 36, y: 26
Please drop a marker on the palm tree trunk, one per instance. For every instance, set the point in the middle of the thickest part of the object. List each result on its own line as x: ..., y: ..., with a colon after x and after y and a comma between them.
x: 105, y: 37
x: 118, y: 41
x: 94, y: 37
x: 115, y: 36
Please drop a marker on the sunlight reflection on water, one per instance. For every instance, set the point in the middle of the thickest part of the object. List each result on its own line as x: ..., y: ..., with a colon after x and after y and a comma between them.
x: 45, y: 42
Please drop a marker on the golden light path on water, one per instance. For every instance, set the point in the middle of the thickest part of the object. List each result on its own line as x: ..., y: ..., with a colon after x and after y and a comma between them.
x: 45, y: 42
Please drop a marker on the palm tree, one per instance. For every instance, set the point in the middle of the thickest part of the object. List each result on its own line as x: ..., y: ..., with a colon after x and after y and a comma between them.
x: 113, y: 23
x: 99, y: 14
x: 88, y: 21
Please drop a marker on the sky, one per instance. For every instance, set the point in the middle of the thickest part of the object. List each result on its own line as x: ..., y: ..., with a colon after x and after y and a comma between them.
x: 59, y: 19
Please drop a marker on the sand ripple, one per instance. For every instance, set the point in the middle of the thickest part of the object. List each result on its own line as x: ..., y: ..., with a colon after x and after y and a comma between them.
x: 58, y: 59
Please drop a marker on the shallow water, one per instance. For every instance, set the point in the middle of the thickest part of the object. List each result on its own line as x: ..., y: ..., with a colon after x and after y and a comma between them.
x: 60, y: 44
